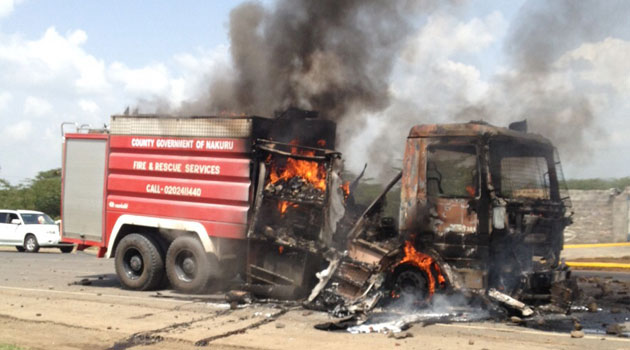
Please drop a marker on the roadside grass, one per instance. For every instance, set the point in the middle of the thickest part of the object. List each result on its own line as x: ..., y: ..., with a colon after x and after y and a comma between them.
x: 10, y: 347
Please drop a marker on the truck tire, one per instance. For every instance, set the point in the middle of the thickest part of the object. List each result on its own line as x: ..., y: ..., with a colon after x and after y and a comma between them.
x: 19, y: 248
x: 30, y: 244
x: 66, y: 250
x: 139, y: 264
x: 188, y: 266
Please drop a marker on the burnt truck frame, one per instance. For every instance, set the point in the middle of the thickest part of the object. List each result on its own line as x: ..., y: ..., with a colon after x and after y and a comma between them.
x: 482, y: 210
x: 485, y: 207
x: 508, y: 232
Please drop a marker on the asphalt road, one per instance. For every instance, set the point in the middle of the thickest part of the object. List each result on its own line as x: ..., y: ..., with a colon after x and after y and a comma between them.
x: 73, y: 301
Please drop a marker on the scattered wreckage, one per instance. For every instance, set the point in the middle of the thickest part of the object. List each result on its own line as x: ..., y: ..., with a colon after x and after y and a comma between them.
x: 204, y: 199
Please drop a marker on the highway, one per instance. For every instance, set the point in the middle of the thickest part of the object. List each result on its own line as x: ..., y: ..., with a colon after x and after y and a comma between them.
x: 50, y: 300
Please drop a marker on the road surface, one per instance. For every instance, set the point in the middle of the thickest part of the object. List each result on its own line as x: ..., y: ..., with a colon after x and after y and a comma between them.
x: 50, y: 300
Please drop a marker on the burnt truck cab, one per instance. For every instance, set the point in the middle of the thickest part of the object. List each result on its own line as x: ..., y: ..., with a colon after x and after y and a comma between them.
x: 490, y: 202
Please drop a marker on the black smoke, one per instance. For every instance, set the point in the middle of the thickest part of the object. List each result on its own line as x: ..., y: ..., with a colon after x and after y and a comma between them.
x: 328, y: 55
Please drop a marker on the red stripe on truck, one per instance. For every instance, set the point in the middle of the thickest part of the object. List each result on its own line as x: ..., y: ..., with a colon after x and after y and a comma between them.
x: 180, y: 165
x: 179, y: 188
x: 179, y: 144
x: 214, y: 229
x: 177, y: 209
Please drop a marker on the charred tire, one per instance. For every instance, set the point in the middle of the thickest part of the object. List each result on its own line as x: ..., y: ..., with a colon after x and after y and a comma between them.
x: 20, y: 249
x: 188, y: 266
x: 139, y: 264
x: 409, y: 281
x: 66, y: 250
x: 30, y: 244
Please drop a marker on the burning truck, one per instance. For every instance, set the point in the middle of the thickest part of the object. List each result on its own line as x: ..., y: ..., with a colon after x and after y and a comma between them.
x: 199, y: 201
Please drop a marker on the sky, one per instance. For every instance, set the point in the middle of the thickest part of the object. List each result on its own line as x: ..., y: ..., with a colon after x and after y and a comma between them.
x: 82, y: 61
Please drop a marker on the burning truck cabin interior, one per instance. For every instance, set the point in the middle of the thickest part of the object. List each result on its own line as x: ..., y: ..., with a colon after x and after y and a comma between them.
x: 299, y: 200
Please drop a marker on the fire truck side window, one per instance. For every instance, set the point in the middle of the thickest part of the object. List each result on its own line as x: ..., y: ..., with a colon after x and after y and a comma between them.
x: 452, y: 171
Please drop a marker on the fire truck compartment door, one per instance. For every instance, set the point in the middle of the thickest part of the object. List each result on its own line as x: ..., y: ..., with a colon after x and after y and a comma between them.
x: 84, y: 177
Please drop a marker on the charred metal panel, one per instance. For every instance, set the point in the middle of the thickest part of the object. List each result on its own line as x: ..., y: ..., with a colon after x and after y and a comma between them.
x: 413, y: 190
x: 454, y: 215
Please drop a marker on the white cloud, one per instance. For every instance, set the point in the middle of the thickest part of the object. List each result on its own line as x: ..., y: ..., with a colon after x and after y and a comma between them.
x: 431, y: 73
x: 603, y: 63
x: 5, y: 98
x: 444, y: 35
x: 34, y: 106
x: 89, y: 106
x: 56, y: 79
x: 18, y: 131
x: 7, y: 6
x: 53, y: 58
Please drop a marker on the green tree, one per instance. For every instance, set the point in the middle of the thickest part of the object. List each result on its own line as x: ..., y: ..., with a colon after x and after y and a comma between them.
x: 41, y: 193
x: 45, y: 192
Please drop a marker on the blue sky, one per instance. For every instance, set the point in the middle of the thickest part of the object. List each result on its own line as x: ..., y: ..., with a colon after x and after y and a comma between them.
x: 85, y: 60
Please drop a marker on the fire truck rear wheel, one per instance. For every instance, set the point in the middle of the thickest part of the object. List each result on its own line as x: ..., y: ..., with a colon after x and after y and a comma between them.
x: 188, y: 266
x: 139, y: 264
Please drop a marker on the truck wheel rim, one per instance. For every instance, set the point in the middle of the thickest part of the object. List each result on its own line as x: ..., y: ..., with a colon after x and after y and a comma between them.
x: 133, y: 263
x: 185, y: 266
x: 30, y: 243
x: 411, y: 282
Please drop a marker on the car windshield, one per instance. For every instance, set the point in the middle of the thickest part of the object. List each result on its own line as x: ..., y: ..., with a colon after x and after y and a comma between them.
x: 37, y: 218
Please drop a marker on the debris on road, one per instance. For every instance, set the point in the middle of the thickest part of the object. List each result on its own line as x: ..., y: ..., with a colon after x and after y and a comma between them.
x: 577, y: 334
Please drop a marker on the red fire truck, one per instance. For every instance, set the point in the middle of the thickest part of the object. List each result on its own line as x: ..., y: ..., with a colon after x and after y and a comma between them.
x: 174, y: 199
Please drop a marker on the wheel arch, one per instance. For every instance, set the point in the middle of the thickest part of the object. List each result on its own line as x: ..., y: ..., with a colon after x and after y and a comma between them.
x: 29, y: 234
x: 162, y: 230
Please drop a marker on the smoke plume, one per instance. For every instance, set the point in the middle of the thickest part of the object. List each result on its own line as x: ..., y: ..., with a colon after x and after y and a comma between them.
x: 546, y: 78
x: 328, y: 55
x: 539, y: 85
x: 380, y: 67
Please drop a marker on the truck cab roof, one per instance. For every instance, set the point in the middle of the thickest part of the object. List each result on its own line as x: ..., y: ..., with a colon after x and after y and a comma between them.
x: 474, y: 129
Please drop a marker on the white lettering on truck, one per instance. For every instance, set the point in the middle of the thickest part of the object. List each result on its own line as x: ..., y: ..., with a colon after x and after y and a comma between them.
x: 202, y: 169
x: 174, y: 143
x: 152, y: 188
x: 167, y: 167
x: 221, y: 145
x: 174, y: 190
x: 142, y: 142
x: 139, y: 165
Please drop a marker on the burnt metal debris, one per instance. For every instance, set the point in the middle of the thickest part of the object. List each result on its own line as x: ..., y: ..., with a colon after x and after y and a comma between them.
x: 482, y: 213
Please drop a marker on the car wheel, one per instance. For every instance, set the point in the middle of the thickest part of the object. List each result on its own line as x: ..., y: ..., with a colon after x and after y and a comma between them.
x: 66, y: 250
x: 20, y: 249
x: 188, y: 266
x: 139, y: 264
x: 30, y: 244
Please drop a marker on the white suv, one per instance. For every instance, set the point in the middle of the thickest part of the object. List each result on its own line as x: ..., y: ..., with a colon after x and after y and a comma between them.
x: 28, y: 230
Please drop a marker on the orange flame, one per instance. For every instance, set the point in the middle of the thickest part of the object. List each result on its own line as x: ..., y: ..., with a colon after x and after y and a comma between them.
x: 310, y: 171
x: 346, y: 189
x: 284, y: 205
x: 424, y: 263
